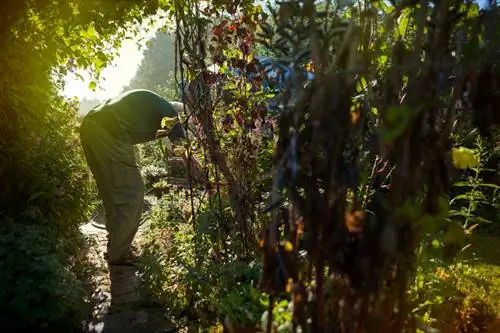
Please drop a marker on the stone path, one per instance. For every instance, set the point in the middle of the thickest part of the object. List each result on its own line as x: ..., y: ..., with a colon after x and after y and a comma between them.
x: 121, y: 308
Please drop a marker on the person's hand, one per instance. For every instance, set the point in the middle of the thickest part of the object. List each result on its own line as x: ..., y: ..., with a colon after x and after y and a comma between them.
x: 161, y: 134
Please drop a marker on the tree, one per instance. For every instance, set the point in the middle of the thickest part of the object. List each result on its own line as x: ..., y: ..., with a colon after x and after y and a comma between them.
x: 85, y: 105
x: 158, y: 64
x: 46, y: 192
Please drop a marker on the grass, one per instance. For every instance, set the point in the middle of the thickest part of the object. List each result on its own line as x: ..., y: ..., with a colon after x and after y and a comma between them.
x: 482, y: 279
x: 464, y: 292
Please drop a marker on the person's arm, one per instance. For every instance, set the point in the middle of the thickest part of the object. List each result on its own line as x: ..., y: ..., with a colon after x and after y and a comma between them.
x: 177, y: 133
x: 171, y: 123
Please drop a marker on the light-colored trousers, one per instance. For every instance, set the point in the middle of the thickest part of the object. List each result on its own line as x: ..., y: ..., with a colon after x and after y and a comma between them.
x: 121, y: 188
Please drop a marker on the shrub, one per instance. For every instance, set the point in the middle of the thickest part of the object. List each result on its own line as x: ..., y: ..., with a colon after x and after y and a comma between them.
x: 40, y: 291
x: 187, y: 269
x: 46, y: 194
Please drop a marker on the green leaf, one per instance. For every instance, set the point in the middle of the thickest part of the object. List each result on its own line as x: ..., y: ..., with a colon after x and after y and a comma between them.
x: 100, y: 61
x: 460, y: 197
x: 169, y: 122
x: 473, y: 11
x: 489, y: 185
x: 99, y: 64
x: 403, y: 22
x: 382, y: 60
x: 383, y: 6
x: 90, y: 33
x: 461, y: 184
x: 361, y: 85
x: 481, y: 219
x: 92, y: 85
x: 457, y: 213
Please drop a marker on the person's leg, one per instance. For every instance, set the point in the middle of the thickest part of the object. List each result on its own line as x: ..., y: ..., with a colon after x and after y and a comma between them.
x: 128, y: 197
x: 92, y: 137
x: 120, y: 185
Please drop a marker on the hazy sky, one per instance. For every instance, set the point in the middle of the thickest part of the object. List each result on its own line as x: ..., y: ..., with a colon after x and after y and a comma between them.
x: 117, y: 74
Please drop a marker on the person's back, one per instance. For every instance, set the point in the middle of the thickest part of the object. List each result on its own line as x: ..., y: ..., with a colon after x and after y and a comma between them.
x: 137, y: 112
x: 108, y: 134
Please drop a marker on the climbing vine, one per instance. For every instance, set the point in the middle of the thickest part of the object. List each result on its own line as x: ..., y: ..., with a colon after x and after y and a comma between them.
x: 223, y: 35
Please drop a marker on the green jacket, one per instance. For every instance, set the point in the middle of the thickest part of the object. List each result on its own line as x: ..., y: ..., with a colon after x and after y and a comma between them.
x: 138, y: 113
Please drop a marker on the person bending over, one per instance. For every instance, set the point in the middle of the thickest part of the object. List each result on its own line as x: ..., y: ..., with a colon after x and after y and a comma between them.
x: 108, y: 134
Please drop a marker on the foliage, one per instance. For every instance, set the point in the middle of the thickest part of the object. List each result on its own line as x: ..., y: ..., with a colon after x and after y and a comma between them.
x: 475, y: 194
x: 230, y: 120
x: 243, y: 306
x: 179, y: 260
x: 442, y: 291
x: 362, y: 111
x: 46, y: 189
x: 282, y: 316
x: 168, y: 88
x: 41, y: 289
x: 374, y: 229
x: 46, y: 194
x: 370, y: 61
x: 157, y: 65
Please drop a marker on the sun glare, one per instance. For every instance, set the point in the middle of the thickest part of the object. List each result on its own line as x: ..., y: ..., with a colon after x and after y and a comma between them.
x: 118, y: 73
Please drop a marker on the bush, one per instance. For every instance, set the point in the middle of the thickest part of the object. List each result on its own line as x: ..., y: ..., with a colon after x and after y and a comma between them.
x: 46, y: 195
x: 187, y: 269
x: 40, y: 291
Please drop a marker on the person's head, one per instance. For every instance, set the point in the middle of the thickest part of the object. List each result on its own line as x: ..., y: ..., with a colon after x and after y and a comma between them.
x: 179, y: 107
x: 177, y: 132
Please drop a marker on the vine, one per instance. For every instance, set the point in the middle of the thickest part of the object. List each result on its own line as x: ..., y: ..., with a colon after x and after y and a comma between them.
x: 230, y: 42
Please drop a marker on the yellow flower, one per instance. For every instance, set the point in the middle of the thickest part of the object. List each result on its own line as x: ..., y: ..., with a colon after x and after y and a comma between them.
x: 288, y: 246
x: 464, y: 158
